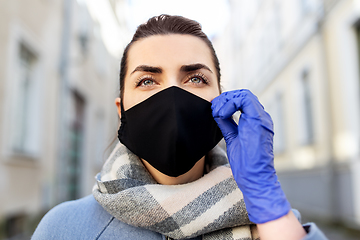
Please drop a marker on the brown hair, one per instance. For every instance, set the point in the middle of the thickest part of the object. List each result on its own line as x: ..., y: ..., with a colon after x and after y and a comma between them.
x: 163, y: 25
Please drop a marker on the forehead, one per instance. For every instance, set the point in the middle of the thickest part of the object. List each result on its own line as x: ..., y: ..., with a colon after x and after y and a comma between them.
x: 170, y: 50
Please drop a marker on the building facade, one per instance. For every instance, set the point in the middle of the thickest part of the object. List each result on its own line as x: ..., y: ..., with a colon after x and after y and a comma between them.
x: 57, y: 90
x: 301, y: 58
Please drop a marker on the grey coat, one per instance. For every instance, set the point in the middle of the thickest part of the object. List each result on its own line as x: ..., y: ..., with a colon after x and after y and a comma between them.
x: 86, y: 219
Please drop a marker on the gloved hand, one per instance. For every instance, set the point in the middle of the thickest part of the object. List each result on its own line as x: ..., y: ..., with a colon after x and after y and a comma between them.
x: 250, y: 153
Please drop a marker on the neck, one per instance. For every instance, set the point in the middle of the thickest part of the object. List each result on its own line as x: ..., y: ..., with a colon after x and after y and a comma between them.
x: 193, y: 174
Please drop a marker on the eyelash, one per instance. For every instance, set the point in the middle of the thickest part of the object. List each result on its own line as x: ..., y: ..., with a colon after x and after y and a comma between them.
x: 141, y: 79
x: 199, y: 75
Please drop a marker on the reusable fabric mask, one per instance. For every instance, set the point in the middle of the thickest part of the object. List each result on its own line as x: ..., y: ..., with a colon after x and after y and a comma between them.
x: 171, y: 130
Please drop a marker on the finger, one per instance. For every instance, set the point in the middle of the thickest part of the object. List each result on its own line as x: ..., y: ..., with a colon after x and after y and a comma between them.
x: 229, y: 108
x: 216, y: 104
x: 222, y: 99
x: 249, y: 104
x: 228, y: 127
x: 246, y: 102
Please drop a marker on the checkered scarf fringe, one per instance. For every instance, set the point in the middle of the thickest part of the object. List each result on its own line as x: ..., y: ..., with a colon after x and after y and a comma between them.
x: 211, y: 206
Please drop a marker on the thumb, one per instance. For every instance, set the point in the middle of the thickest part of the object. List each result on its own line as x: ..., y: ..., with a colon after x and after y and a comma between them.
x: 228, y: 128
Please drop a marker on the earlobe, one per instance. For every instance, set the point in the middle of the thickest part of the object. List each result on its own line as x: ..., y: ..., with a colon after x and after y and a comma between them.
x: 117, y: 103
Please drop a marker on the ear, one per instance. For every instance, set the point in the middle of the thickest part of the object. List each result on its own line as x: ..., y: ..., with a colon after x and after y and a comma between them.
x: 117, y: 103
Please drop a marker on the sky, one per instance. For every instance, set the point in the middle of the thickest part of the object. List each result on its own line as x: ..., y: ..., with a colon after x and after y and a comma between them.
x: 213, y: 15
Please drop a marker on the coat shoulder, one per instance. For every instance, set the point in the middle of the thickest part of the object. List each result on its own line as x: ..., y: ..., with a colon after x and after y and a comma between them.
x: 86, y: 219
x: 83, y: 217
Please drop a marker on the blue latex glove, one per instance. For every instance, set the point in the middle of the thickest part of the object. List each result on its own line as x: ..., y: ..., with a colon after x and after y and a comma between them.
x: 250, y: 153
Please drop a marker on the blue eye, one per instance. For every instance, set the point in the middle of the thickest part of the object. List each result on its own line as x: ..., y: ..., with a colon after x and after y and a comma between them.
x: 196, y: 80
x: 147, y: 82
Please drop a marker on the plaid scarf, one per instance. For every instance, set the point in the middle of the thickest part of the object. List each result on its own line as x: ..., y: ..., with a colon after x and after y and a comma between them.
x: 211, y: 206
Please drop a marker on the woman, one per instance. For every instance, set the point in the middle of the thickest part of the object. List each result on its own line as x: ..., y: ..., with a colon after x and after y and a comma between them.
x: 167, y: 178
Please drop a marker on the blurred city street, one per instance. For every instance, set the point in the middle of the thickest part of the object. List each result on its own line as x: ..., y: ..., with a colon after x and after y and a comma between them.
x: 336, y: 232
x: 60, y: 76
x: 339, y: 234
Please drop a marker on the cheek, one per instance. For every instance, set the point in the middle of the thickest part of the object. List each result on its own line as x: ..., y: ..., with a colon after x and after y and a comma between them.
x: 130, y: 100
x: 213, y: 92
x: 213, y: 95
x: 133, y: 97
x: 208, y: 94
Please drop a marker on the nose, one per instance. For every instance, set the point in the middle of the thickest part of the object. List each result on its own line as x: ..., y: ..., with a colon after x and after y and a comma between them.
x: 172, y: 81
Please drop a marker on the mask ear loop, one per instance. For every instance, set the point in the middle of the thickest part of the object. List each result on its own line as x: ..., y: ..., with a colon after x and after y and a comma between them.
x: 122, y: 120
x: 123, y: 117
x: 122, y: 112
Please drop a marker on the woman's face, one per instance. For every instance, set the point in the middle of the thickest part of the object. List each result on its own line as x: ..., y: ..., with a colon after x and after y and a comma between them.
x: 158, y: 62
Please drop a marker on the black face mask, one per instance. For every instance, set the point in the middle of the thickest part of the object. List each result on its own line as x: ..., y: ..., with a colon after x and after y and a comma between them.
x: 171, y: 130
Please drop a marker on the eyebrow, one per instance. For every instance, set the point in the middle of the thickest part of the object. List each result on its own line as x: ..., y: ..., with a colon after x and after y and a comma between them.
x: 194, y: 67
x: 184, y: 68
x: 146, y: 68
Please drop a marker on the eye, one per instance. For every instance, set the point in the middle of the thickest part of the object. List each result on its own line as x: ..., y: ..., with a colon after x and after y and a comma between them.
x: 145, y: 81
x: 197, y: 79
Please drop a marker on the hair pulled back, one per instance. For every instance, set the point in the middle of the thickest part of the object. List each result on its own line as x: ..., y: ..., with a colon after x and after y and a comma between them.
x: 163, y: 25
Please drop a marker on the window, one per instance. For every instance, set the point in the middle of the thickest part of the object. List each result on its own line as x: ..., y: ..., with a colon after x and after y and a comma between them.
x: 276, y: 111
x: 305, y: 7
x: 100, y: 139
x: 357, y: 32
x: 84, y: 26
x: 278, y: 24
x: 14, y: 226
x: 75, y: 154
x: 306, y: 133
x: 101, y: 57
x: 24, y: 125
